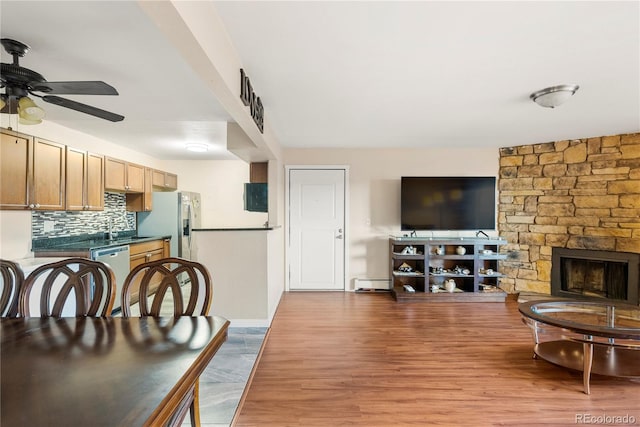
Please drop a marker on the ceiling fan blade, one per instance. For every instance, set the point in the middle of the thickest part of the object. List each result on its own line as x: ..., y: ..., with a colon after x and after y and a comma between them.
x: 83, y: 108
x: 74, y: 88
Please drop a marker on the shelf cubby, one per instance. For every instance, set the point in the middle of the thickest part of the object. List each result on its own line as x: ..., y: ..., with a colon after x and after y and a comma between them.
x: 429, y: 262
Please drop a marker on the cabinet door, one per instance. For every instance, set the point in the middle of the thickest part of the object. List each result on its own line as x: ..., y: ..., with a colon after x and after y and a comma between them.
x: 164, y: 181
x: 158, y: 178
x: 84, y: 180
x: 171, y: 181
x: 135, y: 178
x: 16, y: 157
x: 48, y: 175
x: 75, y: 179
x: 115, y: 174
x: 142, y: 202
x: 258, y: 172
x: 95, y: 182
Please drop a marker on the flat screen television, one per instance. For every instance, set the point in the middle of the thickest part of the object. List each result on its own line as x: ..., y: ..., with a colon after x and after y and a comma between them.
x: 448, y: 203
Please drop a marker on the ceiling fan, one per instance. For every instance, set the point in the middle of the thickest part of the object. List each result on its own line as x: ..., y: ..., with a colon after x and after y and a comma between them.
x: 19, y: 82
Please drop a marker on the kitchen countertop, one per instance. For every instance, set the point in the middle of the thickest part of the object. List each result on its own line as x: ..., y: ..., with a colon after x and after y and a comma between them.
x: 93, y: 243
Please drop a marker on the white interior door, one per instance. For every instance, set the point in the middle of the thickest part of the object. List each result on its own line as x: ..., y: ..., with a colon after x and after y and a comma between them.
x: 316, y: 229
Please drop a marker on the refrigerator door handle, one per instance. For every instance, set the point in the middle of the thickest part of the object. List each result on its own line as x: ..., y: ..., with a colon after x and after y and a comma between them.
x: 189, y: 219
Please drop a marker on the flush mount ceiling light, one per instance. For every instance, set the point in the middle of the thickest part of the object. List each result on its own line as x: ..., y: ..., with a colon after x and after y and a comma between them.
x: 553, y: 96
x: 197, y: 147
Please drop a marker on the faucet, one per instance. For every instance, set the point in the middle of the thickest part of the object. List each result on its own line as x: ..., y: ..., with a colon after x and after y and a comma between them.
x: 109, y: 232
x: 111, y: 235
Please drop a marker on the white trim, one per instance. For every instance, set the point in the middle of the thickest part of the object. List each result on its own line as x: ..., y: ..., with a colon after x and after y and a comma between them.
x: 347, y: 197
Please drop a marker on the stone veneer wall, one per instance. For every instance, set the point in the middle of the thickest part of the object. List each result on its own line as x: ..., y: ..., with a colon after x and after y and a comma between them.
x: 582, y: 194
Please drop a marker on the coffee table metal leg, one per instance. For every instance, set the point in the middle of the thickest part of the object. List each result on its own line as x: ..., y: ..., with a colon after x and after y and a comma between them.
x: 588, y: 361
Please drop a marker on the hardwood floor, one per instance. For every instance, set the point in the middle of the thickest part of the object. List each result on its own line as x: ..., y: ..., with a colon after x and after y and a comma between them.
x: 336, y: 358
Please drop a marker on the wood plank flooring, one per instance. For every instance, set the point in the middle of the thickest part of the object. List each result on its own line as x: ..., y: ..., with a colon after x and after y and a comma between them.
x: 334, y: 358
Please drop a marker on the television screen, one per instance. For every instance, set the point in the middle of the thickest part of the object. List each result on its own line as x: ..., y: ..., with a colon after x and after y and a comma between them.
x: 448, y: 203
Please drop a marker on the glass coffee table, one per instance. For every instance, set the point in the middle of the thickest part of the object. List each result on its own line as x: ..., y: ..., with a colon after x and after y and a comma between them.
x: 592, y: 337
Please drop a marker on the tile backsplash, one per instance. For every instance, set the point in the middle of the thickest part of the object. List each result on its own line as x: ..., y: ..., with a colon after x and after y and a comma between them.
x: 73, y: 223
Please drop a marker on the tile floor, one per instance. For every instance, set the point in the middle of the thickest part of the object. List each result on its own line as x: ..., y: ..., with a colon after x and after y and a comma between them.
x: 224, y: 380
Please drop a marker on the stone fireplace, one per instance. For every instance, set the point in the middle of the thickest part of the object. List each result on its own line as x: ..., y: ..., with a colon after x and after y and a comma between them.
x: 595, y: 275
x: 573, y: 194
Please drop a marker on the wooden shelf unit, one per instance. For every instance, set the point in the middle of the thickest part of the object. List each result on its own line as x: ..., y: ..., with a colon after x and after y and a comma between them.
x: 435, y: 260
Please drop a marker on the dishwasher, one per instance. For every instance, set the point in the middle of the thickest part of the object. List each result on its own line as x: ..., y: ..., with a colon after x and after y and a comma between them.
x: 117, y: 257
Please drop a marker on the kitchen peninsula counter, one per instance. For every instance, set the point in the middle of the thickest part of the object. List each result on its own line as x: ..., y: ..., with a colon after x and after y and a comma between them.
x: 247, y: 281
x: 239, y: 228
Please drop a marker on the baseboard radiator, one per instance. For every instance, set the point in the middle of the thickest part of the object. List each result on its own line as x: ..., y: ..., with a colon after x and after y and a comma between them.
x: 365, y: 285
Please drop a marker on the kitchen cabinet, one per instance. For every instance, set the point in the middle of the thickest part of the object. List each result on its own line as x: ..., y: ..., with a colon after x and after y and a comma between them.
x: 48, y: 175
x: 16, y: 158
x: 164, y: 181
x: 122, y: 176
x: 144, y: 252
x: 258, y: 172
x: 32, y: 174
x: 43, y: 175
x: 84, y: 181
x: 142, y: 202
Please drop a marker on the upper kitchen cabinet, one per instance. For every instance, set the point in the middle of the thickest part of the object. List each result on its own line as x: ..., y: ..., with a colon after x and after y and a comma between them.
x: 32, y: 174
x: 258, y: 172
x: 16, y: 161
x: 142, y: 202
x: 84, y: 181
x: 122, y: 176
x: 164, y: 181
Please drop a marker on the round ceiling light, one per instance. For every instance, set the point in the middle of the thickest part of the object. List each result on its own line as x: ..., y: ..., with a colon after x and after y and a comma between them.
x: 553, y: 96
x: 197, y: 147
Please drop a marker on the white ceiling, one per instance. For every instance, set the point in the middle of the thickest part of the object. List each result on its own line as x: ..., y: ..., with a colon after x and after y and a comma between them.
x: 164, y: 103
x: 351, y: 74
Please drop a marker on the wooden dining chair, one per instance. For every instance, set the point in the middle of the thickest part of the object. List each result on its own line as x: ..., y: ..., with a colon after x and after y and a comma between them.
x: 12, y: 279
x: 91, y: 283
x: 182, y: 287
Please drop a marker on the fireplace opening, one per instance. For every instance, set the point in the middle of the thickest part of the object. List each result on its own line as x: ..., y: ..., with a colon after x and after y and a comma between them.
x: 595, y: 275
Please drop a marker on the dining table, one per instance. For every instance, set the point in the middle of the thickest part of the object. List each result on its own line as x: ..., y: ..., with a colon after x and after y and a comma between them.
x: 110, y: 371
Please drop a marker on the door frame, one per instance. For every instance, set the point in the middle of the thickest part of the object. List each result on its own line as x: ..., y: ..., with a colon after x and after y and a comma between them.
x: 287, y: 169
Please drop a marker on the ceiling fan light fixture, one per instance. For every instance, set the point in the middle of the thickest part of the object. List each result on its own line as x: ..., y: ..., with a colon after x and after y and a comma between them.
x: 28, y: 110
x: 197, y: 147
x: 553, y: 96
x: 24, y: 121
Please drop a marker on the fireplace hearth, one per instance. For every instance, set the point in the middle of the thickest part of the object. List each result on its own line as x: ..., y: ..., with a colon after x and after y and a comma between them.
x: 595, y: 275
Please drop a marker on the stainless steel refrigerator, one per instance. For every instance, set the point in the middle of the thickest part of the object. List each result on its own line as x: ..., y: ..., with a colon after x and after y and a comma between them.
x: 173, y: 214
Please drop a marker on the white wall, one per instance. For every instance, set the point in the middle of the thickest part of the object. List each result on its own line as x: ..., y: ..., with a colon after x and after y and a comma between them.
x: 374, y: 188
x: 220, y: 183
x: 238, y: 265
